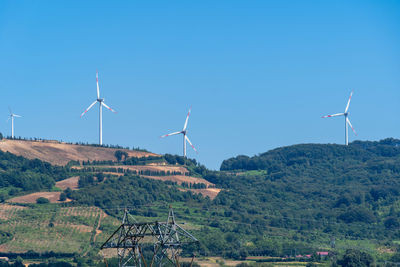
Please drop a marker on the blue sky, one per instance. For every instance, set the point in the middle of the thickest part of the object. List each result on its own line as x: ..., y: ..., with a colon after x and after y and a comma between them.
x: 259, y: 74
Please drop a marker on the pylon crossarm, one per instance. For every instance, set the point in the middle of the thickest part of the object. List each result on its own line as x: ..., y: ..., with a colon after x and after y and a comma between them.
x: 111, y: 237
x: 176, y: 229
x: 185, y: 233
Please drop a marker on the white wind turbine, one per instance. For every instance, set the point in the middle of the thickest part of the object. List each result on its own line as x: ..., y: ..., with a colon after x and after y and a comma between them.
x: 101, y: 104
x: 346, y: 120
x: 184, y: 132
x: 12, y: 116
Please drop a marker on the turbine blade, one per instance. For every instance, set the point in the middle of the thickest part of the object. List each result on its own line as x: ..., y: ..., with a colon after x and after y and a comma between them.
x: 333, y: 115
x: 104, y: 104
x: 348, y: 121
x: 170, y: 134
x: 18, y: 116
x: 97, y: 82
x: 348, y: 102
x: 9, y: 109
x: 187, y: 119
x: 187, y: 139
x: 88, y: 108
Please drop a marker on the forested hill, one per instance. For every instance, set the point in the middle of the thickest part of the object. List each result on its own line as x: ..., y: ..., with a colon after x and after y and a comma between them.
x: 335, y: 190
x: 296, y: 198
x: 367, y: 153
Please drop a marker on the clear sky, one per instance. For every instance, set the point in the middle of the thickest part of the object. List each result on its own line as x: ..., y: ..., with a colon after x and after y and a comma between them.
x: 259, y: 74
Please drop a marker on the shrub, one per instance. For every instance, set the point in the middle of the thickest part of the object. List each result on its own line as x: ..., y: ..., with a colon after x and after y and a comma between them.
x: 63, y: 196
x: 42, y: 200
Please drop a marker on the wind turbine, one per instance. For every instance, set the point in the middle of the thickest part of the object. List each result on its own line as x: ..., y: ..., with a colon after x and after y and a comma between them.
x: 12, y: 116
x: 101, y: 104
x: 346, y: 120
x: 184, y: 132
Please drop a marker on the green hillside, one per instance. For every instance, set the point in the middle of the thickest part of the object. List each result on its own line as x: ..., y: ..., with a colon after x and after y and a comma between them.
x: 293, y: 200
x: 299, y: 197
x: 19, y: 175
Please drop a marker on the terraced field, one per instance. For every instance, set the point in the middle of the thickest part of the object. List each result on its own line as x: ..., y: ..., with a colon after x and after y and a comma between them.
x: 169, y: 170
x: 54, y: 228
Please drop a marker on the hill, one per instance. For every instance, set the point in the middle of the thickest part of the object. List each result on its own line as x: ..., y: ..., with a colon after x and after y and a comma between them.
x: 59, y: 153
x: 296, y: 199
x: 299, y: 198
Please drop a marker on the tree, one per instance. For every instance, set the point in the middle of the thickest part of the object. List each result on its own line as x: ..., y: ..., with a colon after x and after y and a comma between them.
x: 85, y: 180
x: 392, y: 223
x: 356, y: 258
x: 125, y: 155
x: 68, y: 192
x: 19, y: 262
x: 42, y: 200
x: 100, y: 177
x: 118, y: 155
x: 63, y: 196
x: 243, y: 253
x: 3, y: 196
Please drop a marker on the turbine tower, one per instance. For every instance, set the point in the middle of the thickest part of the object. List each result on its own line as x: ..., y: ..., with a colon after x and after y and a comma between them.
x: 101, y: 104
x: 346, y: 120
x: 184, y: 132
x: 12, y: 116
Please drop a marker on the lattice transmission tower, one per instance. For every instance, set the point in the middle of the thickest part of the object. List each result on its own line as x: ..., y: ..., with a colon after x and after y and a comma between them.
x: 166, y: 240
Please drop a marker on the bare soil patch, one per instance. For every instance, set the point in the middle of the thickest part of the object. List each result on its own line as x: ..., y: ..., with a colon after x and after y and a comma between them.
x: 70, y: 182
x: 210, y: 192
x: 53, y: 197
x: 180, y: 179
x: 59, y: 153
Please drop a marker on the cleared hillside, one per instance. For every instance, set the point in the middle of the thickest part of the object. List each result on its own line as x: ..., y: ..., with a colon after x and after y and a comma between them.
x: 58, y: 153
